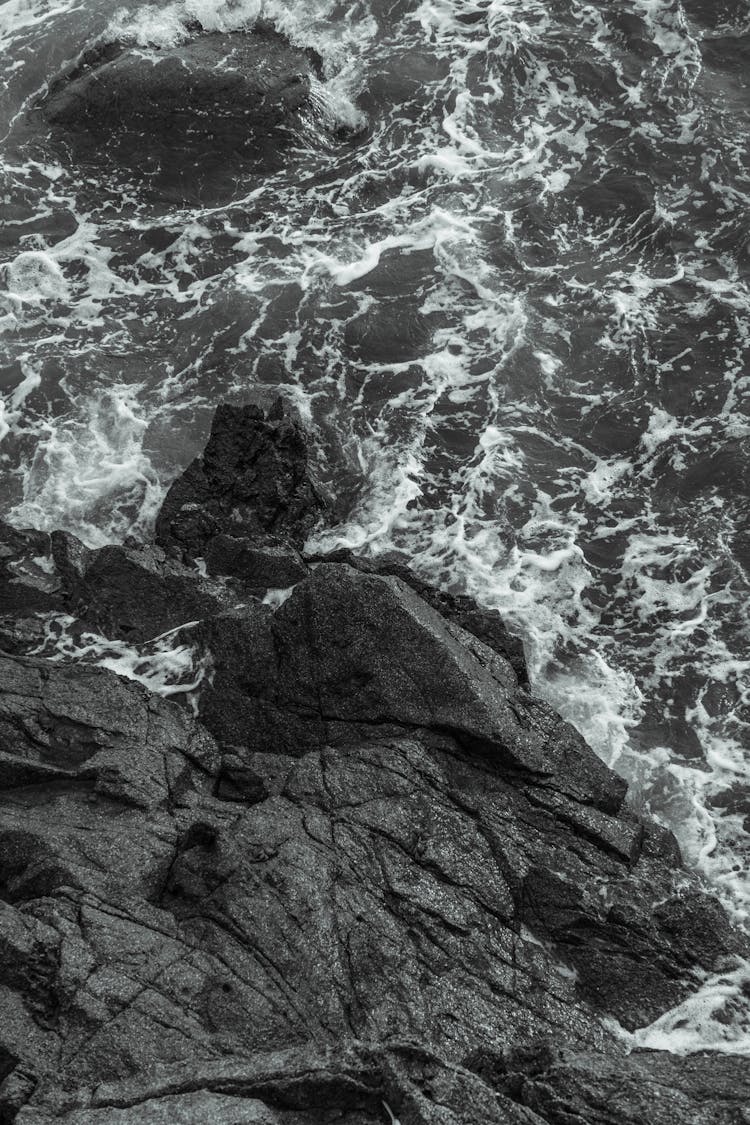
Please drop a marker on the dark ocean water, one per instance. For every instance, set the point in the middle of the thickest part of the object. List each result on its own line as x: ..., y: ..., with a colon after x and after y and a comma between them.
x: 511, y: 294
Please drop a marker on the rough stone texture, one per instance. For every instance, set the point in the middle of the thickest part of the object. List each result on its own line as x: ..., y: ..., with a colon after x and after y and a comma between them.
x: 373, y: 870
x: 486, y: 624
x: 364, y: 650
x: 561, y: 1086
x: 232, y: 90
x: 135, y: 594
x: 250, y: 490
x: 131, y: 593
x: 28, y: 583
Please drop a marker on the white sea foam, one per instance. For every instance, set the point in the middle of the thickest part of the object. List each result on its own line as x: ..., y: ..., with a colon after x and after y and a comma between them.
x: 163, y: 664
x: 35, y: 276
x: 438, y: 231
x: 313, y: 24
x: 277, y: 595
x: 90, y: 474
x: 19, y: 15
x: 716, y: 1017
x: 12, y: 404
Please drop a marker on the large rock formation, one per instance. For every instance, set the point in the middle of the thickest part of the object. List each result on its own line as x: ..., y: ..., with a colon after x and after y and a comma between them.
x: 366, y: 873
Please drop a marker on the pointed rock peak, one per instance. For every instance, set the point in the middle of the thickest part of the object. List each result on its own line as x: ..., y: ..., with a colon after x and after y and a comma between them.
x: 252, y: 487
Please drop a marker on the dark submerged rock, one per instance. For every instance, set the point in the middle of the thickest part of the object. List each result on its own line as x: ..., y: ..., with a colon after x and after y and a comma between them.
x: 191, y: 122
x: 226, y: 93
x: 373, y: 868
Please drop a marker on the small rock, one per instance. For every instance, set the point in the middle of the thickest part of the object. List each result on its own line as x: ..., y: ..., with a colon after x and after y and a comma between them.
x: 252, y: 484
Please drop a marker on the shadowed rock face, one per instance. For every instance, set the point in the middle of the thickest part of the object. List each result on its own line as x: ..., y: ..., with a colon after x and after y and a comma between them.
x: 230, y: 95
x: 373, y: 869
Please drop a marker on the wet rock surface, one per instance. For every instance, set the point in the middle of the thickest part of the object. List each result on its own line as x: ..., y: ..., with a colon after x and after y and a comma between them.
x: 250, y: 490
x: 560, y: 1086
x: 229, y: 92
x: 359, y: 869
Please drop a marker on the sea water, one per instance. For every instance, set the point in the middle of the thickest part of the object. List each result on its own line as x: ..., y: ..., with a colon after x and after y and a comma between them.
x: 511, y: 298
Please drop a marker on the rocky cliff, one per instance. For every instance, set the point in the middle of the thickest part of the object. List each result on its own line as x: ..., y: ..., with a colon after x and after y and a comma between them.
x: 189, y: 117
x: 352, y: 870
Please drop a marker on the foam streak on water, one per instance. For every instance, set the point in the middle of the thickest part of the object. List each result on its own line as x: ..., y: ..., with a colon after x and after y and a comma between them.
x: 164, y: 665
x: 515, y: 310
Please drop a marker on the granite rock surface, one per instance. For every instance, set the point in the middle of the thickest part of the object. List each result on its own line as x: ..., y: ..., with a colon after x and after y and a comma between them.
x: 358, y: 870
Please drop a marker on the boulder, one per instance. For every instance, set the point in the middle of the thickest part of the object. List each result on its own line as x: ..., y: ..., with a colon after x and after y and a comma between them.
x: 485, y: 624
x: 29, y: 582
x: 250, y: 489
x: 133, y: 593
x: 233, y: 93
x: 337, y: 930
x: 353, y: 651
